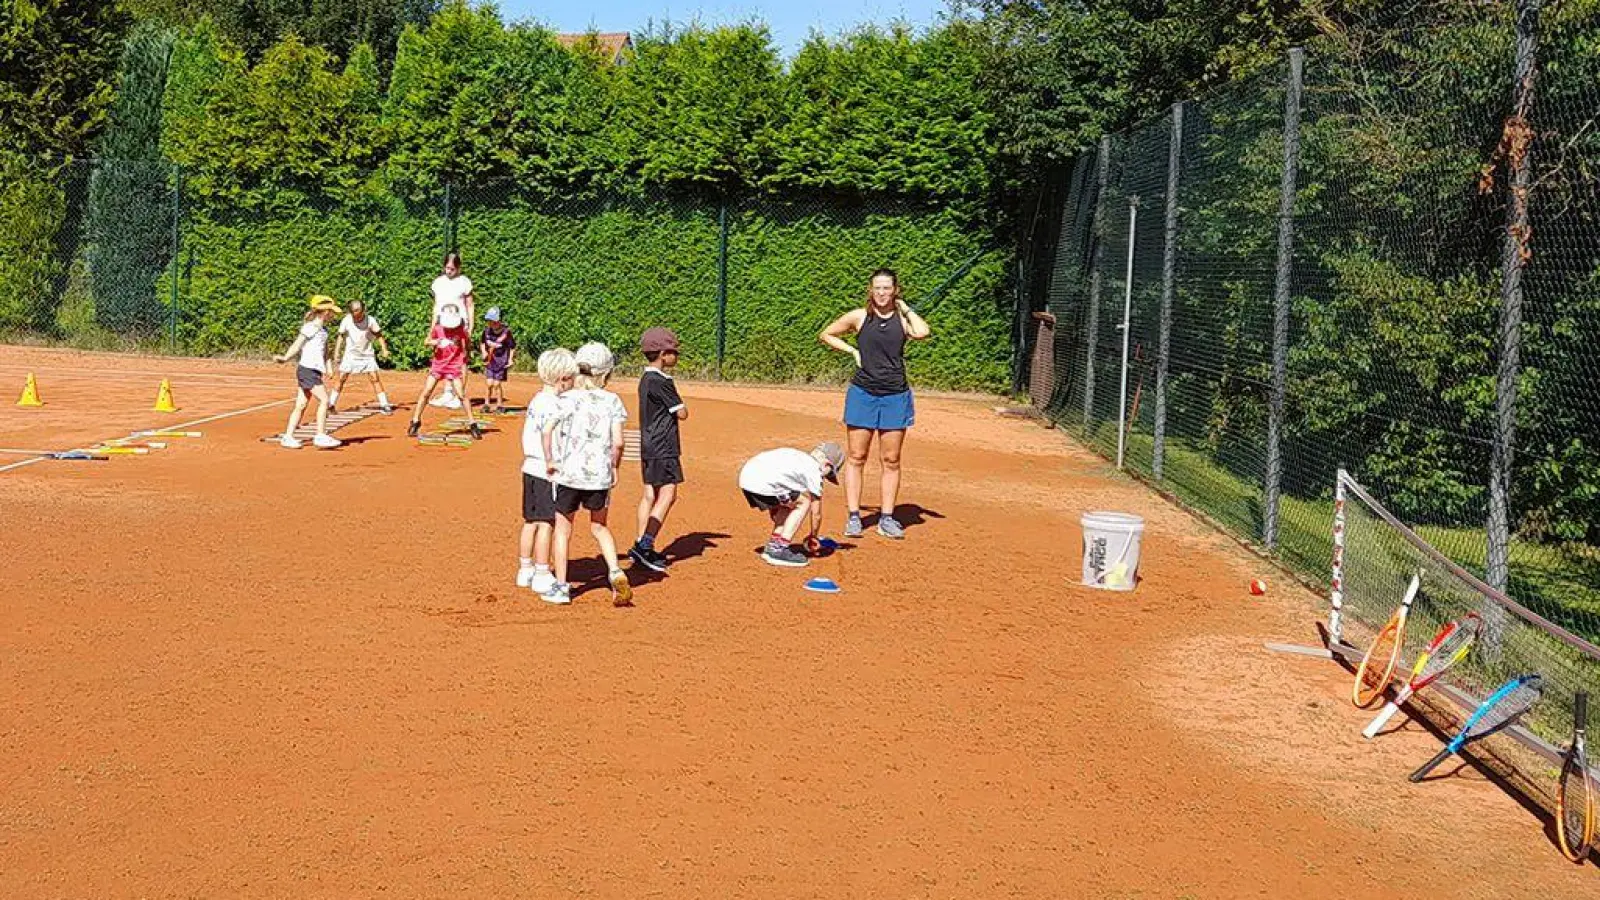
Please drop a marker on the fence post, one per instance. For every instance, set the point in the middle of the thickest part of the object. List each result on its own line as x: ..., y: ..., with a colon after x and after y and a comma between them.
x: 449, y: 220
x: 722, y: 284
x: 1126, y: 326
x: 1096, y: 238
x: 1516, y: 147
x: 1169, y: 274
x: 1280, y: 297
x: 177, y: 248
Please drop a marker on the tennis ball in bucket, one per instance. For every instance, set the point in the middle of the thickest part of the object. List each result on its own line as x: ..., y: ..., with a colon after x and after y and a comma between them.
x: 1258, y: 586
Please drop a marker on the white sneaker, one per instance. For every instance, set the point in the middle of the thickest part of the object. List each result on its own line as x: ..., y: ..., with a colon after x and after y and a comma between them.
x: 524, y: 576
x: 442, y: 401
x: 290, y: 442
x: 326, y: 441
x: 452, y: 402
x: 541, y: 582
x: 559, y: 594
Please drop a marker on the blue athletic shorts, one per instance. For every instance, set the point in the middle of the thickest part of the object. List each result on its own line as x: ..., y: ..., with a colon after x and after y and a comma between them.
x: 896, y: 412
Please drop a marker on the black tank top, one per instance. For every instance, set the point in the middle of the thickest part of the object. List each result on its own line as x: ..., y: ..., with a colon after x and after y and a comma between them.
x: 882, y: 343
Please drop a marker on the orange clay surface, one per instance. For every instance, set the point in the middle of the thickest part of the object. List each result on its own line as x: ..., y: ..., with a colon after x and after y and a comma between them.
x: 232, y: 670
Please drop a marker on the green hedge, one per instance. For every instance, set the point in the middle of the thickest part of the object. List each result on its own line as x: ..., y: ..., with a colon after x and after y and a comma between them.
x: 567, y: 272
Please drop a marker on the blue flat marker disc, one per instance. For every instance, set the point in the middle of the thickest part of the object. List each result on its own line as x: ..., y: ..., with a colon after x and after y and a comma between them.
x: 823, y: 586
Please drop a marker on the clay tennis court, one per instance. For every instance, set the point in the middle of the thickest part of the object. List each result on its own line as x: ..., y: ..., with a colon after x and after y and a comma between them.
x: 231, y: 670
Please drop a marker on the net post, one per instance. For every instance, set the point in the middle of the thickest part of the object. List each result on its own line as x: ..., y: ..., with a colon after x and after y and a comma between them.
x: 1097, y: 238
x: 1169, y: 272
x: 1127, y: 315
x: 1280, y: 297
x: 1517, y: 145
x: 1336, y: 580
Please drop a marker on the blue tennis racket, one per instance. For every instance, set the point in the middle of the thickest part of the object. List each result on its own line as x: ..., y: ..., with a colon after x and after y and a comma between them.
x: 1504, y: 707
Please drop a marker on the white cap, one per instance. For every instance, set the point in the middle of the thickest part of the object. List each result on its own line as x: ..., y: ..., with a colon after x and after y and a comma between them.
x: 596, y: 358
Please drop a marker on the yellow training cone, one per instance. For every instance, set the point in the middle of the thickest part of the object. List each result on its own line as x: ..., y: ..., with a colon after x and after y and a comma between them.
x: 164, y: 398
x: 30, y: 393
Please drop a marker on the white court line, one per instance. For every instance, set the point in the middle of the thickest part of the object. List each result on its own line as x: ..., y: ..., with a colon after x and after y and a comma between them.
x: 25, y: 452
x: 179, y: 427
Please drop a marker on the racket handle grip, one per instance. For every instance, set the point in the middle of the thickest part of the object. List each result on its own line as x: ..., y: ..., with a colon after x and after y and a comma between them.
x: 1430, y: 765
x: 1383, y: 717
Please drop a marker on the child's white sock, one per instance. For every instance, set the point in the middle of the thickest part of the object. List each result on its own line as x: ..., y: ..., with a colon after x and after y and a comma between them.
x: 383, y: 399
x: 524, y: 562
x: 541, y: 570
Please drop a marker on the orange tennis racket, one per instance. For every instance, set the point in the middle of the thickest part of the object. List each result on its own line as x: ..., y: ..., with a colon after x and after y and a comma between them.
x: 1575, y: 802
x: 1377, y: 667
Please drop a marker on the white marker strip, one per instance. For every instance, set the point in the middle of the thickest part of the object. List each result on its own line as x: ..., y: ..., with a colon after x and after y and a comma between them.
x: 216, y: 418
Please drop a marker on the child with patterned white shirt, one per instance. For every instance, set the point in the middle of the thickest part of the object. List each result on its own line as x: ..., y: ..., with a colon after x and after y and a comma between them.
x: 584, y: 467
x: 557, y: 369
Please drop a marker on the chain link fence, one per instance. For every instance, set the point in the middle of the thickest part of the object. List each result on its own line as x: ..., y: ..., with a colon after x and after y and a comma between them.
x: 112, y: 254
x: 1382, y: 254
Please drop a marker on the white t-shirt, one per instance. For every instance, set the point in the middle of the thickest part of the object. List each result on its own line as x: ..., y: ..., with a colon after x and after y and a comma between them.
x: 358, y: 337
x: 545, y: 406
x: 449, y: 291
x: 314, y: 351
x: 783, y: 473
x: 585, y: 455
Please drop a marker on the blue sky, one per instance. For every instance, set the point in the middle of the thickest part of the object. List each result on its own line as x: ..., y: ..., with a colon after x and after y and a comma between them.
x: 789, y: 20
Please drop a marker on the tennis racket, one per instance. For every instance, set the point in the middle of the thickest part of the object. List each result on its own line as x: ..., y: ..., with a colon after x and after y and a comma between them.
x: 1575, y: 802
x: 1377, y: 667
x: 1449, y: 646
x: 1503, y: 707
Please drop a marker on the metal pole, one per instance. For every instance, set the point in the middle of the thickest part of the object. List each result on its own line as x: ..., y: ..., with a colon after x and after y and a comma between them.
x: 1127, y: 315
x: 1280, y: 297
x: 722, y: 285
x: 1516, y: 145
x: 1336, y: 585
x: 177, y: 247
x: 1169, y: 275
x: 449, y: 230
x: 1097, y: 237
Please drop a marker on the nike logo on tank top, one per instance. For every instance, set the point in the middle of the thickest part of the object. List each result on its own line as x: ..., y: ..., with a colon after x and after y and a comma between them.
x: 882, y: 344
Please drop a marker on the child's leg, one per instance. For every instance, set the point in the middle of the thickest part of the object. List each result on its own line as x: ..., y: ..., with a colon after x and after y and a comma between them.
x: 377, y: 388
x: 665, y: 496
x: 333, y: 399
x: 460, y: 385
x: 797, y: 515
x: 297, y: 412
x: 602, y: 536
x: 428, y: 385
x: 321, y: 393
x: 559, y: 544
x: 647, y: 502
x: 541, y: 544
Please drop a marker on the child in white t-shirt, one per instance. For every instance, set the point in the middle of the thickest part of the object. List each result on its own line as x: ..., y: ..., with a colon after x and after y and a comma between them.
x: 310, y: 347
x: 584, y: 467
x: 786, y: 484
x: 452, y: 288
x: 358, y: 332
x: 557, y: 369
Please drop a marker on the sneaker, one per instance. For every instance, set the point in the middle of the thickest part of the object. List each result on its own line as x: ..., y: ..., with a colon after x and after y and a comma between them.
x: 525, y: 577
x: 290, y: 442
x: 413, y: 428
x: 446, y: 400
x: 890, y: 527
x: 779, y: 555
x: 477, y: 431
x: 327, y: 441
x: 852, y: 525
x: 541, y: 582
x: 650, y: 559
x: 621, y: 590
x: 559, y: 594
x: 386, y: 410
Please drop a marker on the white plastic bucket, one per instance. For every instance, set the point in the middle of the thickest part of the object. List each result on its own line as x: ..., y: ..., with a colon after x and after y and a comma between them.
x: 1111, y: 550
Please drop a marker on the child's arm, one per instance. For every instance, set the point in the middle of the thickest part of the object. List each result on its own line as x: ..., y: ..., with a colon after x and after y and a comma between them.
x: 916, y: 328
x: 511, y: 358
x: 616, y: 444
x: 299, y: 341
x: 549, y: 452
x: 338, y: 344
x: 383, y: 346
x: 833, y: 335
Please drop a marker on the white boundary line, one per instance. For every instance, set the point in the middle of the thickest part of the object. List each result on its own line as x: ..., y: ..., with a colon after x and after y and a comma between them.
x: 178, y: 427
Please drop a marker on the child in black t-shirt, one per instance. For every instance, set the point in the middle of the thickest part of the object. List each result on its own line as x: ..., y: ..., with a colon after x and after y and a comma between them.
x: 660, y: 410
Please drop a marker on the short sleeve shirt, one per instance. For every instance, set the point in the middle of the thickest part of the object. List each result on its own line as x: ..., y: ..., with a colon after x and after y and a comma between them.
x: 456, y: 353
x: 585, y: 456
x: 314, y: 351
x: 501, y: 344
x: 449, y: 291
x: 358, y: 335
x: 783, y: 473
x: 658, y: 416
x: 545, y: 407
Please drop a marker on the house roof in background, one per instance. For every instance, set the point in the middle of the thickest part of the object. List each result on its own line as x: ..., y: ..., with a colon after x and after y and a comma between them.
x: 611, y: 43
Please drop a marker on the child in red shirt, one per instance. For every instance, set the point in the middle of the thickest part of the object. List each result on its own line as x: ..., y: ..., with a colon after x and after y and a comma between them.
x: 449, y: 339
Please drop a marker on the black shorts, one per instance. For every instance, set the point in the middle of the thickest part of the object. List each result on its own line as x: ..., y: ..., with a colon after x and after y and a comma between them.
x: 569, y: 500
x: 308, y: 377
x: 538, y: 499
x: 666, y: 470
x: 766, y: 503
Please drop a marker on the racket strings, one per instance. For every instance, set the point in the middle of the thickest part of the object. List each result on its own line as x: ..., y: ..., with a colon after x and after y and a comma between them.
x: 1577, y: 809
x: 1446, y: 653
x: 1377, y: 667
x: 1514, y: 704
